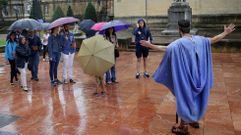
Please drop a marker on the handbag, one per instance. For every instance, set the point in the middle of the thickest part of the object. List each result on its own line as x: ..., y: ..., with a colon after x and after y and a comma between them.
x: 117, y: 53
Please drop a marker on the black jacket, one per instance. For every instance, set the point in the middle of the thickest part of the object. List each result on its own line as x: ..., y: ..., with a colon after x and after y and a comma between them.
x: 22, y: 55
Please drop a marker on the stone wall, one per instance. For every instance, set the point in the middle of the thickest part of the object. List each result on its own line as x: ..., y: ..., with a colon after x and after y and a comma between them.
x: 159, y: 7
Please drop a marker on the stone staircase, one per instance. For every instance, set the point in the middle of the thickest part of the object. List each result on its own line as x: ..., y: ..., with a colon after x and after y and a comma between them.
x: 231, y: 43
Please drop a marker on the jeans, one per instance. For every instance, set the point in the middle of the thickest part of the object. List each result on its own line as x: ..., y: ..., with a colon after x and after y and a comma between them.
x: 111, y: 75
x: 14, y: 70
x: 34, y: 62
x: 23, y: 75
x: 53, y: 66
x: 68, y: 65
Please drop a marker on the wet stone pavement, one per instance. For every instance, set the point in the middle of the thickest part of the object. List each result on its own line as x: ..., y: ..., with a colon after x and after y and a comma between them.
x: 131, y: 107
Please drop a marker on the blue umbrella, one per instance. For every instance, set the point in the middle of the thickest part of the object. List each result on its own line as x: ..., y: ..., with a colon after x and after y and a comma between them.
x: 45, y: 26
x: 86, y: 25
x: 42, y: 26
x: 116, y: 24
x: 29, y: 24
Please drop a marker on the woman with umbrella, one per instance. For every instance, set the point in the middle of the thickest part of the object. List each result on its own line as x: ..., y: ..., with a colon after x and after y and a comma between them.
x: 110, y: 35
x: 54, y: 50
x: 55, y: 46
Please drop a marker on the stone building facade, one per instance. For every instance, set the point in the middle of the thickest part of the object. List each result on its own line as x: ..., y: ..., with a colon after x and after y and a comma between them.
x: 204, y: 11
x: 21, y: 8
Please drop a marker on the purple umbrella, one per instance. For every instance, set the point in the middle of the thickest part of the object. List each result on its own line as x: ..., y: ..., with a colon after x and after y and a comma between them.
x: 116, y: 24
x: 62, y: 21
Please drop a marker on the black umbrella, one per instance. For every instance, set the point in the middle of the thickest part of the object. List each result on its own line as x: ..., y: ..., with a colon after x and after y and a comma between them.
x: 86, y: 25
x: 29, y: 24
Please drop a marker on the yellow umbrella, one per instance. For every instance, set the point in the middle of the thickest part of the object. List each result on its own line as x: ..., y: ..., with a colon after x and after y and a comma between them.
x: 96, y: 55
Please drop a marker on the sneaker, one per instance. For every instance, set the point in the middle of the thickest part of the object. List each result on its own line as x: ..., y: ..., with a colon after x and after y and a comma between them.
x: 71, y: 81
x: 25, y: 88
x: 108, y: 83
x: 138, y: 75
x: 103, y: 93
x: 11, y: 83
x: 115, y: 81
x: 146, y: 75
x: 36, y: 79
x: 96, y: 94
x: 58, y: 82
x: 65, y: 81
x: 53, y: 83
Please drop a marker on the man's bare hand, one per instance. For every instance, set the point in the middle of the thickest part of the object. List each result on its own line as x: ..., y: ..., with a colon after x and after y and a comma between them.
x: 229, y: 29
x: 145, y: 43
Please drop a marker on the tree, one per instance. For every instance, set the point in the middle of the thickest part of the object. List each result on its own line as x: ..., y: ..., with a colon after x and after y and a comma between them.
x: 90, y: 12
x: 3, y: 4
x: 70, y: 12
x: 36, y: 12
x: 58, y: 13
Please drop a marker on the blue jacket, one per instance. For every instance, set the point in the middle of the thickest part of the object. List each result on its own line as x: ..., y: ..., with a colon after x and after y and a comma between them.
x: 67, y: 49
x: 10, y: 49
x: 55, y: 45
x: 142, y: 34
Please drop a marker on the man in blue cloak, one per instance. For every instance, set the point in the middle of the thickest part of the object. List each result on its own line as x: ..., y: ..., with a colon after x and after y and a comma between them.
x: 186, y: 69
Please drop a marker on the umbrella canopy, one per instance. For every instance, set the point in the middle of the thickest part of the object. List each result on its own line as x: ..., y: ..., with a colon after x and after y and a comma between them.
x: 96, y: 55
x: 42, y: 26
x: 29, y: 24
x: 62, y: 21
x: 45, y: 26
x: 86, y: 25
x: 98, y: 26
x: 116, y: 24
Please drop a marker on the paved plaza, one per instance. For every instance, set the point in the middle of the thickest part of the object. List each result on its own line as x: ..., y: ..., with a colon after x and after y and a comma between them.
x: 131, y: 107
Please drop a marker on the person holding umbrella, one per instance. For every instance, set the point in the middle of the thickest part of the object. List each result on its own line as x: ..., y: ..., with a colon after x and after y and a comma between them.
x: 141, y: 32
x: 10, y: 51
x: 68, y: 53
x: 55, y: 46
x: 110, y: 35
x: 96, y: 58
x: 35, y: 45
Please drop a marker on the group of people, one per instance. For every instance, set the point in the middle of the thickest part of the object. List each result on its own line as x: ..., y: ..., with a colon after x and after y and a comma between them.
x: 186, y: 68
x: 141, y: 32
x: 20, y: 50
x: 60, y: 42
x: 23, y: 49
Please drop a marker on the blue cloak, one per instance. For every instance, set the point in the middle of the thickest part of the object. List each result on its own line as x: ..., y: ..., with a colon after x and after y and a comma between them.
x: 186, y: 69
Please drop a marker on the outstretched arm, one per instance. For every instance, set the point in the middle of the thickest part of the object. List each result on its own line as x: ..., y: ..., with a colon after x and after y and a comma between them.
x: 227, y: 30
x: 154, y: 47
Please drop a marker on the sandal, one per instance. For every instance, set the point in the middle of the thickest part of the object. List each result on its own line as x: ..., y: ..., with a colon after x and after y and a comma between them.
x: 182, y: 129
x: 194, y: 125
